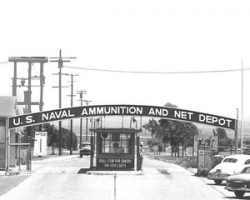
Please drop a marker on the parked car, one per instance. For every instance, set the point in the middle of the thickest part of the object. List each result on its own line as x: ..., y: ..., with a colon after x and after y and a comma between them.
x: 240, y: 183
x: 230, y: 165
x: 85, y: 149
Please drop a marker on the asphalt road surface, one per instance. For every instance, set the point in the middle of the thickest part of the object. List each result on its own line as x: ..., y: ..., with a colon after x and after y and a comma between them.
x: 67, y: 179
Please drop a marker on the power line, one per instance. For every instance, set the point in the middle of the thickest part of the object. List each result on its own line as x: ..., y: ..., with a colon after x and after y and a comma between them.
x: 2, y: 62
x: 150, y: 72
x: 154, y: 72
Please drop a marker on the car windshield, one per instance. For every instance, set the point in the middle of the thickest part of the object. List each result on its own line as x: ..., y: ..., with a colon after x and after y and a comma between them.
x: 230, y: 160
x: 246, y: 170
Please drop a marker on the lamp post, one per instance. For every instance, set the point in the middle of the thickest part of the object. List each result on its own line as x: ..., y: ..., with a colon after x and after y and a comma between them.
x: 132, y: 119
x: 81, y: 97
x: 87, y: 120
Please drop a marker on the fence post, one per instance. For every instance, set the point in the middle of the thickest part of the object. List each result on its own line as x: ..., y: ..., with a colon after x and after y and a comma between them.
x: 92, y: 152
x: 138, y: 163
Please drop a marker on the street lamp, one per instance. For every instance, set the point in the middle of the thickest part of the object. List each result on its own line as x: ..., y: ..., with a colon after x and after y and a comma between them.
x: 99, y: 120
x: 22, y: 82
x: 132, y: 119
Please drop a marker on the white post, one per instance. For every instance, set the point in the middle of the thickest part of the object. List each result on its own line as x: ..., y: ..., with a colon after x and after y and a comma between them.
x: 135, y: 153
x: 7, y: 146
x: 242, y: 107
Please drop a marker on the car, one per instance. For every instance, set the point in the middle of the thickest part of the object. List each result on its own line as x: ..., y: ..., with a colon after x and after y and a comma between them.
x: 85, y: 149
x: 230, y: 165
x: 240, y: 183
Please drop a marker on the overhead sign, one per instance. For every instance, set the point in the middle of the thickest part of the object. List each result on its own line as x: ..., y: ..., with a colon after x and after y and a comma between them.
x: 107, y: 110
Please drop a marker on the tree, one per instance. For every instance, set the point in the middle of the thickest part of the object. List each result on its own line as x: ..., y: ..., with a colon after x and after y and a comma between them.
x: 53, y: 137
x: 170, y: 105
x: 152, y: 126
x: 29, y: 137
x: 153, y: 142
x: 223, y: 140
x: 178, y: 134
x: 66, y: 139
x: 220, y: 132
x: 174, y: 132
x: 247, y: 142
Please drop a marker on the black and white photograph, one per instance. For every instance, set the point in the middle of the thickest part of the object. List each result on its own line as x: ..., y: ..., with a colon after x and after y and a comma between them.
x: 124, y: 100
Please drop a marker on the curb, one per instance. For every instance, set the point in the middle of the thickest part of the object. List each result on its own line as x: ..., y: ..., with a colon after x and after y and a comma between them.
x: 114, y: 173
x: 68, y: 157
x: 2, y: 173
x: 192, y: 170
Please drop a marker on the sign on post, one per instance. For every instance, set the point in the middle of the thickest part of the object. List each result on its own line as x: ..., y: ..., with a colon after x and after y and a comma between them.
x: 40, y: 145
x: 204, y: 157
x: 115, y: 163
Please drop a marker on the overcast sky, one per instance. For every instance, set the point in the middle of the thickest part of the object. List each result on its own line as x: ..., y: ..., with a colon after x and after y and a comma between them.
x: 134, y: 36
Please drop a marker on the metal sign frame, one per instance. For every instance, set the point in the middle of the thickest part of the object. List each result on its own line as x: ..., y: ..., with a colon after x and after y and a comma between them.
x: 122, y: 110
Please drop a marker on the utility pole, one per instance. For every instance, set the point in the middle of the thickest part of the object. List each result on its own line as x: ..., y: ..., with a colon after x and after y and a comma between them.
x: 71, y: 121
x: 60, y: 62
x: 242, y: 96
x: 29, y: 89
x: 81, y: 93
x: 42, y: 82
x: 236, y: 131
x: 14, y: 84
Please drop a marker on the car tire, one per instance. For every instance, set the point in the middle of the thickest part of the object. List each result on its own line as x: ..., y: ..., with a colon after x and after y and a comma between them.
x: 80, y: 156
x: 218, y: 182
x: 239, y: 194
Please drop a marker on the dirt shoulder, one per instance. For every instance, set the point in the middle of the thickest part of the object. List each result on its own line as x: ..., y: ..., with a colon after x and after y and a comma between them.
x: 189, y: 163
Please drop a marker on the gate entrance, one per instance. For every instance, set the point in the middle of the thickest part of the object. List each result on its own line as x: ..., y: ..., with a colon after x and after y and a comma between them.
x: 115, y: 148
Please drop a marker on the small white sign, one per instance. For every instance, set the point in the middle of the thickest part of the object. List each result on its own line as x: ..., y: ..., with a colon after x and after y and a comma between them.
x: 40, y: 146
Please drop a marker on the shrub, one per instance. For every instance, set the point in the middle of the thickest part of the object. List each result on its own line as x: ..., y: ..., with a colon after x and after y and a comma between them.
x: 188, y: 162
x: 203, y: 172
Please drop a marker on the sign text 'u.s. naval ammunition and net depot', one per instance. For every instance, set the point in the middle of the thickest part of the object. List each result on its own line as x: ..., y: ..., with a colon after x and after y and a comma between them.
x: 111, y: 110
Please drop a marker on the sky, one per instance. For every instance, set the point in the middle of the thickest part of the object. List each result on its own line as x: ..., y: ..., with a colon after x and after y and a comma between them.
x: 151, y: 52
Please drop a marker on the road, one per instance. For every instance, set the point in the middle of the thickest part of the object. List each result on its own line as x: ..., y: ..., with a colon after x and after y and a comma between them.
x: 67, y: 179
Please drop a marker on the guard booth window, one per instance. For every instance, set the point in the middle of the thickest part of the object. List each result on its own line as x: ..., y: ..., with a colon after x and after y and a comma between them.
x: 115, y: 143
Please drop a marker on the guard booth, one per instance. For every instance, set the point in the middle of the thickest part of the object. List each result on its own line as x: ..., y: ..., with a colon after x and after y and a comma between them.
x: 115, y: 149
